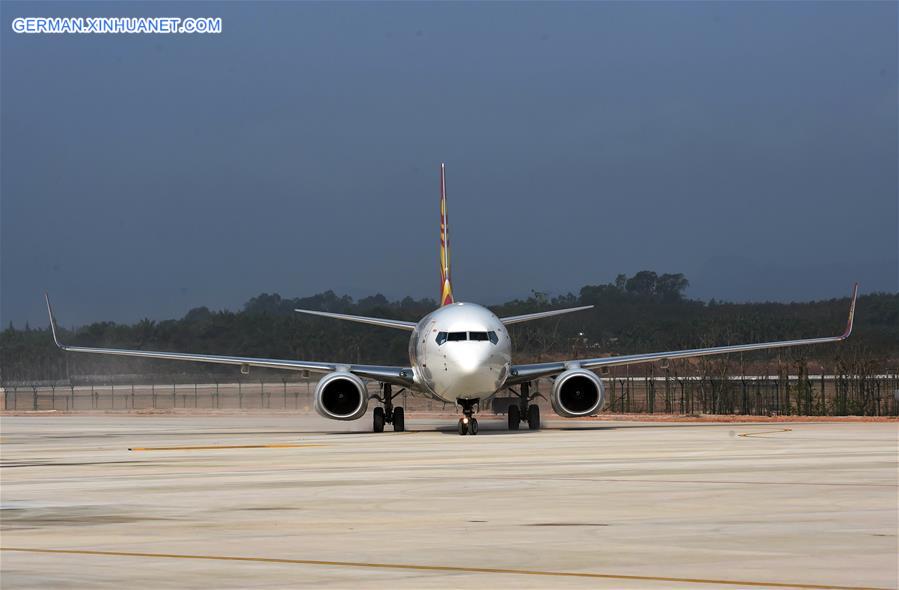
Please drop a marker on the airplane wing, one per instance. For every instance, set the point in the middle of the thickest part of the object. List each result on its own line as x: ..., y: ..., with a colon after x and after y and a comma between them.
x: 522, y: 373
x: 515, y: 319
x: 362, y: 319
x: 397, y: 375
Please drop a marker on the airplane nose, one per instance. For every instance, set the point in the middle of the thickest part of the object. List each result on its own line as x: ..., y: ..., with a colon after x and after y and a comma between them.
x: 470, y: 360
x: 471, y: 371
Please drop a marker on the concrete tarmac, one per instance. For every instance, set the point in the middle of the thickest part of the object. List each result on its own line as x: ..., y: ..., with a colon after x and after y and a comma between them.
x: 277, y: 501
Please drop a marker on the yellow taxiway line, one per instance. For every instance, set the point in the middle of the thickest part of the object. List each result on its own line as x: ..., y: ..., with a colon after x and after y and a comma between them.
x: 225, y: 447
x: 748, y: 434
x: 439, y: 568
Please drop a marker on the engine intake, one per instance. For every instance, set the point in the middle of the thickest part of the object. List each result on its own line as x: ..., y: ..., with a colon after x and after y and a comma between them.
x: 341, y: 396
x: 577, y: 392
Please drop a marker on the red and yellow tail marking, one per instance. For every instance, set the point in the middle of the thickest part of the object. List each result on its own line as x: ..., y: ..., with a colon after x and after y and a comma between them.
x: 446, y: 288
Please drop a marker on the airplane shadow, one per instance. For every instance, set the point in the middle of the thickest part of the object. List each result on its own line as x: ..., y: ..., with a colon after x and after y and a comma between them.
x: 495, y: 429
x: 491, y: 428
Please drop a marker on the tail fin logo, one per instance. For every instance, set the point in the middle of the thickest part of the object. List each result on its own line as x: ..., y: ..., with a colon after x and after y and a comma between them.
x: 446, y: 288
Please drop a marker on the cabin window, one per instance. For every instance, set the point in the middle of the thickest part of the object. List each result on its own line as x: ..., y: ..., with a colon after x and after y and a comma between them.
x: 477, y: 336
x: 492, y: 336
x: 457, y: 336
x: 441, y: 338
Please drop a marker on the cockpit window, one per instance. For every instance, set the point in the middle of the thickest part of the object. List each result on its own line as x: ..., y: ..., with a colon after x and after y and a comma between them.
x: 461, y: 336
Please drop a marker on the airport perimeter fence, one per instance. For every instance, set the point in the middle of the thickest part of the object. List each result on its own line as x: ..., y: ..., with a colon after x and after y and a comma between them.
x: 809, y: 395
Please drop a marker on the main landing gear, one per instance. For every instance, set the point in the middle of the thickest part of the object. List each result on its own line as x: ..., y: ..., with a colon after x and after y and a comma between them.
x: 468, y: 424
x: 524, y: 412
x: 388, y: 414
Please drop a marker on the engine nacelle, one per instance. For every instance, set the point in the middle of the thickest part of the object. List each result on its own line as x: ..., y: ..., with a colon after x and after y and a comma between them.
x: 577, y: 392
x: 341, y: 396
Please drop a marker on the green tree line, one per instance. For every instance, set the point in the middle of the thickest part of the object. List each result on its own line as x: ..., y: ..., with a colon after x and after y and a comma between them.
x: 642, y: 313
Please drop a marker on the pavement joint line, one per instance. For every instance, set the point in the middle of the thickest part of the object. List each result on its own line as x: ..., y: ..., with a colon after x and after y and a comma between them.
x: 709, y: 481
x: 226, y: 447
x: 438, y: 568
x: 748, y: 434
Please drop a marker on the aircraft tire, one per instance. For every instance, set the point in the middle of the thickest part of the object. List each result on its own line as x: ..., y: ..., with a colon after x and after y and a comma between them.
x: 534, y: 417
x: 514, y: 417
x: 472, y: 427
x: 399, y: 420
x: 378, y: 420
x: 463, y: 428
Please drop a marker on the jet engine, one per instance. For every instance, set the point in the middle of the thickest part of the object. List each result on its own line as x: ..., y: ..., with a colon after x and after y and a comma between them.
x: 577, y: 392
x: 341, y: 396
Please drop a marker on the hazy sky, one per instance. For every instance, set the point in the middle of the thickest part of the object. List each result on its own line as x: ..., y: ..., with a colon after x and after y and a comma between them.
x: 751, y: 146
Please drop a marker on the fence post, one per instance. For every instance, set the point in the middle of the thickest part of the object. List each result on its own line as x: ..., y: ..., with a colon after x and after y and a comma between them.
x: 627, y: 397
x: 691, y: 401
x: 667, y: 390
x: 34, y: 397
x: 745, y: 396
x: 132, y: 396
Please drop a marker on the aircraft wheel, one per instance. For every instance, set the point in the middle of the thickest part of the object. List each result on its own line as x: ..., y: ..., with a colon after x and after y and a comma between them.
x: 378, y: 420
x: 514, y: 417
x: 472, y: 427
x: 399, y: 420
x: 534, y: 417
x: 463, y: 427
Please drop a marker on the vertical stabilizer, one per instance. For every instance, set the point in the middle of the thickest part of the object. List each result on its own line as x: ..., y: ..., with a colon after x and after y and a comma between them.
x: 446, y: 288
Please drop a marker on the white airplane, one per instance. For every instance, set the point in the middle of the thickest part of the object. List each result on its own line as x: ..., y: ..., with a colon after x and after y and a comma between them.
x: 460, y: 353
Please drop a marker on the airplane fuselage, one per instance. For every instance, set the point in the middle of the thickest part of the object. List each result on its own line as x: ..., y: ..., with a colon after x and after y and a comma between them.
x: 460, y: 351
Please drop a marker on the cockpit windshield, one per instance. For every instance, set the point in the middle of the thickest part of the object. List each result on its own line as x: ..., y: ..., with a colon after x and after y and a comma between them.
x: 443, y: 337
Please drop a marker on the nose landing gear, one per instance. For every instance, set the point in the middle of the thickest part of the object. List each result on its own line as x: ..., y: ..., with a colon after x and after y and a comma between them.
x: 388, y: 414
x: 468, y: 424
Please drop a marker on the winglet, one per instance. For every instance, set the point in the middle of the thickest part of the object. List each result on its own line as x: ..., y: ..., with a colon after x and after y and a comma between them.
x: 53, y: 323
x: 851, y: 312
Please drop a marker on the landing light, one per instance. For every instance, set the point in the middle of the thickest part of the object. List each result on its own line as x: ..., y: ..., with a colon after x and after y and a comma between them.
x: 464, y: 420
